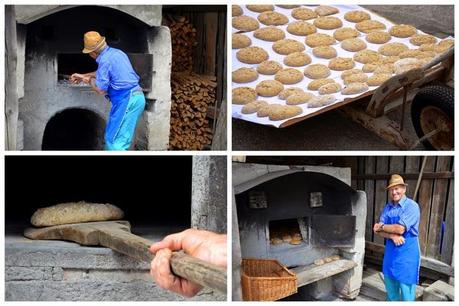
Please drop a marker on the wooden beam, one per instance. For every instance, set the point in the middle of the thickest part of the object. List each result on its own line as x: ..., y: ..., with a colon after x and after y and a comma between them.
x: 219, y: 139
x: 370, y: 168
x: 439, y: 198
x: 312, y: 273
x: 427, y: 263
x: 413, y: 78
x: 382, y: 126
x: 448, y: 245
x: 406, y: 176
x: 381, y: 194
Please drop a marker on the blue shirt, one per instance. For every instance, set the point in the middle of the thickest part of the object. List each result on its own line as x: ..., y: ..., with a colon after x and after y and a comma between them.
x: 115, y: 71
x: 407, y: 212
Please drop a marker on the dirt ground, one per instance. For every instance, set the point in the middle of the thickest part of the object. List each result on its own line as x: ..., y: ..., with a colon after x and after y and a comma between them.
x: 332, y: 130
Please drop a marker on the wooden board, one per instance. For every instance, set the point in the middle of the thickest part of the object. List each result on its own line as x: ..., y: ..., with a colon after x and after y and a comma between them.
x: 370, y: 164
x: 412, y: 166
x: 221, y: 61
x: 312, y: 273
x: 437, y: 209
x: 117, y: 236
x: 447, y: 250
x: 425, y: 194
x: 382, y: 165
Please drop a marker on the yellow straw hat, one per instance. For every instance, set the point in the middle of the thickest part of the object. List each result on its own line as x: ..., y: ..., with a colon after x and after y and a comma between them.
x: 93, y: 42
x: 395, y: 180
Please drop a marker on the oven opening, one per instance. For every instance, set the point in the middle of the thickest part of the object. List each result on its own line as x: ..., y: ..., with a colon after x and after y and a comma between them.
x: 74, y: 129
x: 287, y: 232
x: 69, y: 63
x: 33, y: 182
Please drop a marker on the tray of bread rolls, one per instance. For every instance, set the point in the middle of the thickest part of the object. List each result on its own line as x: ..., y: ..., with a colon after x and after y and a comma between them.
x: 294, y: 61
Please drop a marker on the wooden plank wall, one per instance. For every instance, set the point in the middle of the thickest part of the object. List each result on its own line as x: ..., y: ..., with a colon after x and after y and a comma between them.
x: 435, y: 197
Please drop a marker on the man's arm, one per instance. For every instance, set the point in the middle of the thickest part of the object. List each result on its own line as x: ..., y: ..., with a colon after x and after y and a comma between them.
x: 396, y: 238
x: 394, y: 229
x: 90, y: 74
x: 92, y: 82
x: 78, y: 77
x: 205, y: 245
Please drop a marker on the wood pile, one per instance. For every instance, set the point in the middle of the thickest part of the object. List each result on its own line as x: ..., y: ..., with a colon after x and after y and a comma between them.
x: 192, y: 94
x: 183, y: 36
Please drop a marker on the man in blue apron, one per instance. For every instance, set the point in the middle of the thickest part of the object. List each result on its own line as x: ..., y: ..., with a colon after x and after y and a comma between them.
x: 399, y: 225
x: 116, y: 79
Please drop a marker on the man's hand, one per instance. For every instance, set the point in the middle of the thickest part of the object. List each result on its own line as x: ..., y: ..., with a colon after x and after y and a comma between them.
x: 204, y: 245
x: 377, y: 227
x: 76, y: 78
x: 86, y: 79
x: 398, y: 240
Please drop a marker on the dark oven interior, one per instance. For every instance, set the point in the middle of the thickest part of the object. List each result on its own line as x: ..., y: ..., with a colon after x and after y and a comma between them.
x: 153, y: 191
x: 60, y: 36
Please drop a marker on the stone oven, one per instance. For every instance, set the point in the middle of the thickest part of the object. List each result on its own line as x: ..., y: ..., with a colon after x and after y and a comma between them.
x: 60, y: 270
x: 301, y: 216
x: 56, y: 115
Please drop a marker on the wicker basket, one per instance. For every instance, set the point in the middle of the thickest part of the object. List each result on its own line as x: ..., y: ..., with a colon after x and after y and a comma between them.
x: 266, y: 280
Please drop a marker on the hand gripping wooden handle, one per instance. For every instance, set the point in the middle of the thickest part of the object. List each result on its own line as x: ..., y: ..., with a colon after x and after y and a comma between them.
x: 183, y: 265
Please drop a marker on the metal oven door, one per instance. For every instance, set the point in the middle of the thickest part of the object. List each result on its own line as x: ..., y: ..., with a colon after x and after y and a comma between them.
x: 333, y: 230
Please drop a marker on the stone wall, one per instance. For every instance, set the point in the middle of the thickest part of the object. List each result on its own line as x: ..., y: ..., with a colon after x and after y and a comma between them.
x: 65, y: 271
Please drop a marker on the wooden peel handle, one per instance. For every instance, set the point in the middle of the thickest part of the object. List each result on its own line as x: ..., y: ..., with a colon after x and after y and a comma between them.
x: 183, y: 265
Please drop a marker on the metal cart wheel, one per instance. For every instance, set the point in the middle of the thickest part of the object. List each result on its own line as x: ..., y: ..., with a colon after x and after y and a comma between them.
x: 432, y: 113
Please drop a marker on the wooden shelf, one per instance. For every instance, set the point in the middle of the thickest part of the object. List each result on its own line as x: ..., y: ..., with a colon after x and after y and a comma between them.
x: 312, y: 273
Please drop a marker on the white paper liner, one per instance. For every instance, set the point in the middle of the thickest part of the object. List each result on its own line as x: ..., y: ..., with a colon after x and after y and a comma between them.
x: 336, y: 75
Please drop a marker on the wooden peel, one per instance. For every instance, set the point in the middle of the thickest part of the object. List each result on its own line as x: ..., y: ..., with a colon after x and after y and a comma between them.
x: 117, y: 236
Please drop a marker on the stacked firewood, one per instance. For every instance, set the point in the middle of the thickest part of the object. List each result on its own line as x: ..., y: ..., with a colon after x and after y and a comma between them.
x: 192, y: 94
x: 183, y: 36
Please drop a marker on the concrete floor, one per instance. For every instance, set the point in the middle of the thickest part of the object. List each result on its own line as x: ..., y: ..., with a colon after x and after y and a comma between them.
x: 333, y: 131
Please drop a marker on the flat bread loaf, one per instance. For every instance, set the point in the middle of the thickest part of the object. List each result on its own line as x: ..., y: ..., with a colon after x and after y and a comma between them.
x: 67, y: 213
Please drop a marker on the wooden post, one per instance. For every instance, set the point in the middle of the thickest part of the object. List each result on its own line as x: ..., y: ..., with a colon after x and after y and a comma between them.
x: 418, y: 183
x: 220, y: 132
x: 236, y: 255
x: 219, y: 139
x: 11, y: 94
x: 447, y: 251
